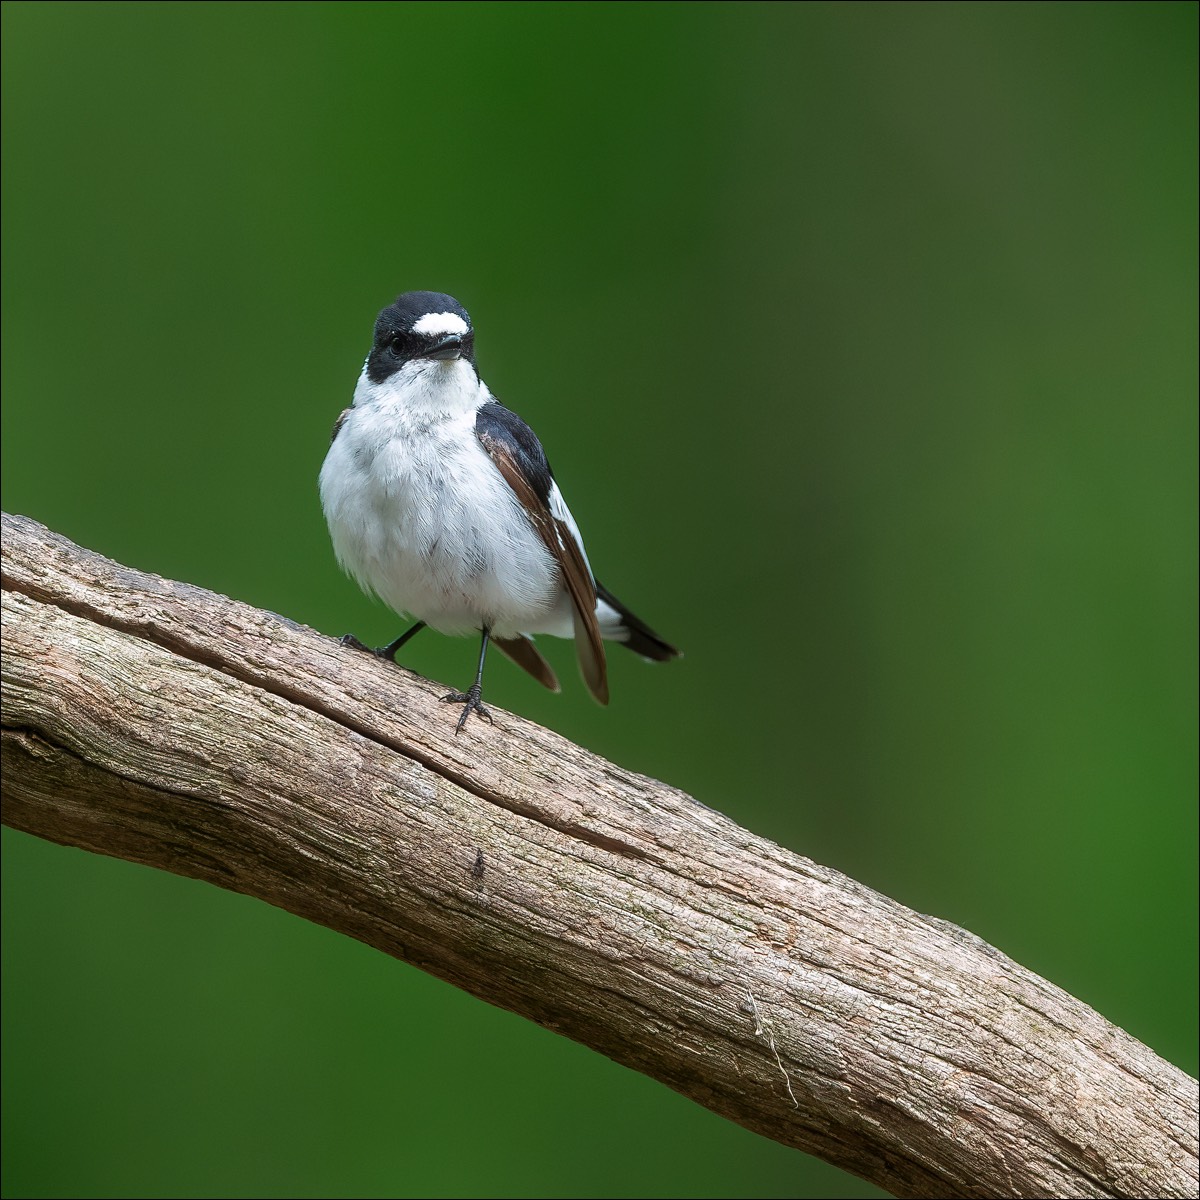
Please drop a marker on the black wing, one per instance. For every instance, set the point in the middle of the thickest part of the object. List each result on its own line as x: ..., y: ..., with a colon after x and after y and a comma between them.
x: 519, y: 457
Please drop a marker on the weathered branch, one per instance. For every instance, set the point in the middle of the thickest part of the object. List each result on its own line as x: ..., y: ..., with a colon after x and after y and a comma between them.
x: 160, y: 723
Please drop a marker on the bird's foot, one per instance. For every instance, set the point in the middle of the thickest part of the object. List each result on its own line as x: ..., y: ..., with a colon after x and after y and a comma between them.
x: 470, y: 700
x: 354, y: 644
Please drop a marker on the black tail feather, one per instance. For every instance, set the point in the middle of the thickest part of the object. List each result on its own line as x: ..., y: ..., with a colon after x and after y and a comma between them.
x: 642, y: 639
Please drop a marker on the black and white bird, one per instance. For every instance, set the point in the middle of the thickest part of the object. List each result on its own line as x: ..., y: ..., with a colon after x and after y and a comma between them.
x: 440, y: 502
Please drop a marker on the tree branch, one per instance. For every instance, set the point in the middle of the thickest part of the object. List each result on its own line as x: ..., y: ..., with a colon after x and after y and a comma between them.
x: 161, y: 723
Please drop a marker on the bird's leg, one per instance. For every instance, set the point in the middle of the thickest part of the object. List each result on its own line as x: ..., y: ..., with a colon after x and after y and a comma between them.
x: 388, y: 651
x: 470, y: 699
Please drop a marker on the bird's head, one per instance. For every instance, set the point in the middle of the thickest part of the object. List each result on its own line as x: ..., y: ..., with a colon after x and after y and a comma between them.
x: 420, y: 327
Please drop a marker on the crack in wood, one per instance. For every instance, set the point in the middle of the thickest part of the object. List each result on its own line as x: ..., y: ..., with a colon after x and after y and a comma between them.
x: 229, y: 667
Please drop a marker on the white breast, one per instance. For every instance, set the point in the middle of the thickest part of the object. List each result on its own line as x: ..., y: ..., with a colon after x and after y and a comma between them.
x: 421, y: 517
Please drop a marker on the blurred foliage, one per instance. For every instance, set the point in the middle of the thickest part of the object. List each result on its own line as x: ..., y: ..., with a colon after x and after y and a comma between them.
x: 863, y: 340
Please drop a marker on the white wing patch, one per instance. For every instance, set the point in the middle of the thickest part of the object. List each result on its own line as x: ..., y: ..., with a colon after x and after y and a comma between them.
x: 440, y: 323
x: 559, y: 510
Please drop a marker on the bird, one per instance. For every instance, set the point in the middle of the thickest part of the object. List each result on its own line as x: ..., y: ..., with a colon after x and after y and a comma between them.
x: 441, y: 502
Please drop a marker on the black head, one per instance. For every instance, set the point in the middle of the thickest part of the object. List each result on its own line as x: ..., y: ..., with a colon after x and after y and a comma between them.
x: 428, y: 325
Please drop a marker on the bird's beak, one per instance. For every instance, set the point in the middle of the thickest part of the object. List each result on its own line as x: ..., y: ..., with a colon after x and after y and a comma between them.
x: 449, y: 347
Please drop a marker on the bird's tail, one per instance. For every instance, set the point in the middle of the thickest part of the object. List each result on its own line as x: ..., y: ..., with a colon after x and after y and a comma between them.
x: 618, y: 624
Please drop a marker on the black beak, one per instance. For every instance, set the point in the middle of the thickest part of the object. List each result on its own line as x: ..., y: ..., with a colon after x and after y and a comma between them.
x: 446, y: 348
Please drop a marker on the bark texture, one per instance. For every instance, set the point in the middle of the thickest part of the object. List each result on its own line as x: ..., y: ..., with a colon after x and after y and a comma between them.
x: 167, y: 725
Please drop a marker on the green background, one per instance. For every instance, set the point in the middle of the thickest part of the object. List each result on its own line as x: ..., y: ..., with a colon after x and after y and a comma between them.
x: 862, y: 338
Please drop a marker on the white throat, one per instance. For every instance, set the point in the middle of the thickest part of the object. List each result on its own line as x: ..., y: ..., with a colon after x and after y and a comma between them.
x: 424, y: 388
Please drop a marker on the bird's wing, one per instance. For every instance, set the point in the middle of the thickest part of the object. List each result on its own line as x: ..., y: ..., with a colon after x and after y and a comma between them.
x: 525, y: 654
x: 518, y: 455
x: 337, y: 425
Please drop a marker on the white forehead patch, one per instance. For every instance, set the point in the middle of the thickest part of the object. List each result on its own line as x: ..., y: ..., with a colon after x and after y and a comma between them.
x: 435, y: 323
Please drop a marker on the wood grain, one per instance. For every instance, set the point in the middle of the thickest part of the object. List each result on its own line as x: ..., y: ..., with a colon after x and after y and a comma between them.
x: 160, y: 723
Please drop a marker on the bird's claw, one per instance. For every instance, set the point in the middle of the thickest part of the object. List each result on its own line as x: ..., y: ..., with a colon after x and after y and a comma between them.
x: 470, y: 700
x: 353, y: 643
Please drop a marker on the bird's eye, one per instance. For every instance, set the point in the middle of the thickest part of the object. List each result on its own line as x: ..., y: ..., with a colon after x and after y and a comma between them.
x: 397, y: 345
